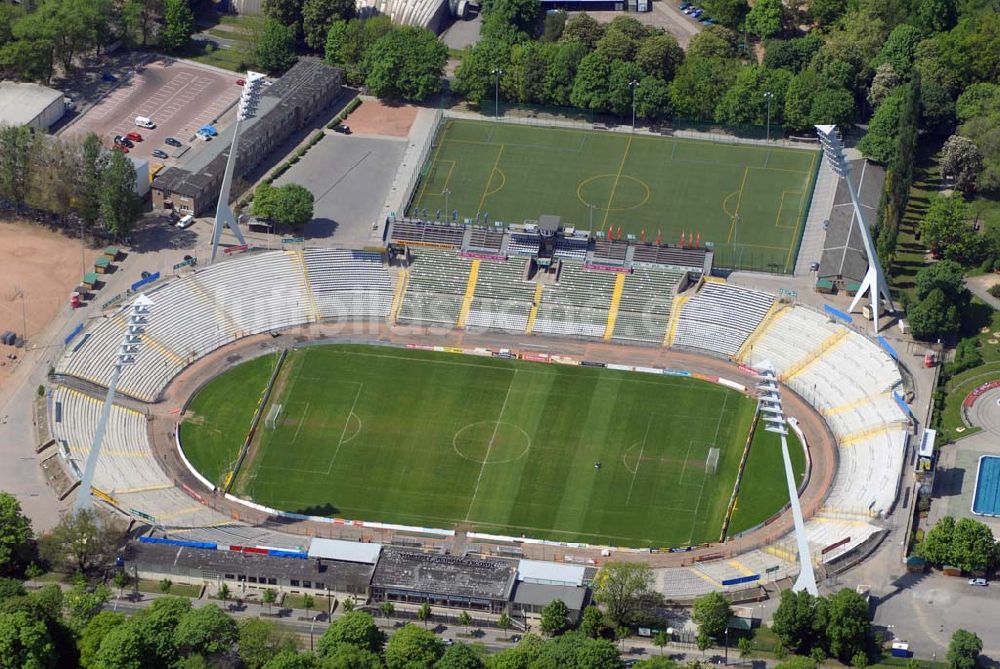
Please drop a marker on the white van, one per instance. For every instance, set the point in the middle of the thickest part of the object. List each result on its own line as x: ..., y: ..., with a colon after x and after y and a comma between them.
x: 185, y: 222
x: 144, y: 122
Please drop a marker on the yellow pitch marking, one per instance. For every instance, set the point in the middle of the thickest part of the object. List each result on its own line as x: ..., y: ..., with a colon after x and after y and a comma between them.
x: 614, y: 189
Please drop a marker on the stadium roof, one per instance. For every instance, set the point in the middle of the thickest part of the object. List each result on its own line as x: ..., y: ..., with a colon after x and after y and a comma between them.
x: 444, y: 574
x: 21, y: 103
x: 549, y: 573
x: 345, y: 551
x: 844, y: 255
x: 536, y: 594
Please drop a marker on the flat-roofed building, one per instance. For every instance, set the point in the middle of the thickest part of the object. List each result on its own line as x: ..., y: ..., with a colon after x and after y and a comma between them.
x: 32, y: 105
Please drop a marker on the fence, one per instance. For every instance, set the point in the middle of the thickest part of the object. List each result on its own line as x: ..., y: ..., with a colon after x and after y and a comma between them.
x: 410, y: 169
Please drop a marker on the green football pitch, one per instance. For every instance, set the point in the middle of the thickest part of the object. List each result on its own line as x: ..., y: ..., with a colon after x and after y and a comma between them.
x: 749, y: 201
x: 451, y: 441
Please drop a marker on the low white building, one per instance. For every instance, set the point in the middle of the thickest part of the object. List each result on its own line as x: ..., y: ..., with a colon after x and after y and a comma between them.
x: 33, y: 105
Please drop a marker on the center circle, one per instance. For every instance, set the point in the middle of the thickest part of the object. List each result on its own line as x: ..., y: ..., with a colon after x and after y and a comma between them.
x: 490, y: 442
x: 611, y: 192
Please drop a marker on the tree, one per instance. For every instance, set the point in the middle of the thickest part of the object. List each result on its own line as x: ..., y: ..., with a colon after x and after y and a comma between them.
x: 510, y: 20
x: 475, y: 78
x: 120, y: 206
x: 318, y: 15
x: 464, y: 619
x: 746, y: 647
x: 794, y: 620
x: 88, y: 189
x: 411, y: 647
x: 591, y: 87
x: 764, y: 20
x: 962, y: 160
x: 387, y: 608
x: 356, y: 628
x: 746, y: 101
x: 25, y: 641
x: 406, y: 63
x: 592, y: 622
x: 555, y: 617
x: 937, y: 109
x: 121, y: 648
x: 424, y: 613
x: 560, y: 75
x: 16, y: 148
x: 660, y: 56
x: 120, y: 580
x: 826, y: 12
x: 206, y: 630
x: 93, y: 634
x: 797, y: 662
x: 553, y: 25
x: 699, y: 85
x: 879, y: 144
x: 347, y: 605
x: 811, y: 99
x: 15, y: 534
x: 933, y: 317
x: 661, y: 639
x: 345, y: 656
x: 165, y: 585
x: 178, y: 25
x: 900, y: 48
x: 947, y: 275
x: 82, y: 541
x: 290, y: 204
x: 945, y: 229
x: 963, y: 650
x: 936, y: 16
x: 459, y: 656
x: 504, y: 622
x: 275, y: 49
x: 652, y: 99
x: 224, y: 593
x: 793, y: 54
x: 973, y: 548
x: 287, y: 12
x: 844, y: 618
x: 619, y: 585
x: 860, y: 660
x: 153, y: 632
x: 290, y: 659
x: 713, y: 42
x: 583, y: 28
x: 269, y: 597
x: 620, y: 86
x: 729, y: 13
x: 886, y: 79
x: 711, y: 613
x: 616, y: 45
x: 260, y: 640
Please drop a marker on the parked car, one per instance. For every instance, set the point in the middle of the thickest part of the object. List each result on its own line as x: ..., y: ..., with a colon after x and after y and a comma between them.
x: 127, y: 142
x: 978, y: 581
x: 107, y: 76
x: 144, y: 122
x: 121, y: 147
x: 161, y: 154
x: 710, y: 22
x: 134, y: 136
x: 185, y: 222
x: 171, y: 141
x: 342, y: 129
x: 814, y: 266
x: 698, y: 12
x: 704, y: 18
x: 240, y: 82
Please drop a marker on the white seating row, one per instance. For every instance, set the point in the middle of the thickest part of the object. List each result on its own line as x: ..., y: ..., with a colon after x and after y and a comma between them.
x: 720, y: 317
x: 436, y: 287
x: 349, y: 284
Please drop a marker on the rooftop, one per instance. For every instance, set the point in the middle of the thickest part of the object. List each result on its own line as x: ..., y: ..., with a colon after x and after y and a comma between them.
x: 550, y: 573
x: 843, y: 251
x: 537, y: 594
x: 345, y: 551
x: 340, y: 576
x: 444, y: 574
x: 20, y: 103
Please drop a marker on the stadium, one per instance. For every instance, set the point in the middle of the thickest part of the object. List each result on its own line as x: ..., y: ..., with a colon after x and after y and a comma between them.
x: 539, y: 389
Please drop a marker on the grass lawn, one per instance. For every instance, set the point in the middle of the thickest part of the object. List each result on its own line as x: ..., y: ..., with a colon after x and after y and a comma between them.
x: 961, y: 384
x: 214, y: 427
x: 442, y: 440
x: 911, y: 253
x: 176, y: 589
x: 749, y: 201
x: 762, y: 491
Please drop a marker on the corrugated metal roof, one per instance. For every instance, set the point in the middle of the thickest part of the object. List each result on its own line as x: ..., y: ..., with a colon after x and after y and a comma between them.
x: 345, y: 551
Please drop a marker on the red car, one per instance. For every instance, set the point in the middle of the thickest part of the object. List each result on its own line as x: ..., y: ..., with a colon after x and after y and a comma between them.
x: 134, y: 136
x: 121, y: 147
x: 240, y: 82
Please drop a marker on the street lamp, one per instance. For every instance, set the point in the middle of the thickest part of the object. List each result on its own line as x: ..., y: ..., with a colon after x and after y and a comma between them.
x: 633, y: 84
x: 727, y: 643
x: 311, y: 626
x: 768, y: 95
x: 496, y: 92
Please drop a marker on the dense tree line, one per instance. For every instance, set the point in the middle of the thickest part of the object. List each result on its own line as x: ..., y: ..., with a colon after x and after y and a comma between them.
x: 827, y: 626
x: 967, y: 544
x: 67, y: 177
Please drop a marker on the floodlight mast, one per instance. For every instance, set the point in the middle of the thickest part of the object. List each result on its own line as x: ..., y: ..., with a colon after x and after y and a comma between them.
x: 874, y: 284
x: 769, y: 406
x: 224, y: 216
x: 138, y: 316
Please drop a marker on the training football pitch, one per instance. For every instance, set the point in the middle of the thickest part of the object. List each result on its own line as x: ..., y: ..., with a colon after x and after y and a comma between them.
x: 452, y: 441
x: 750, y: 201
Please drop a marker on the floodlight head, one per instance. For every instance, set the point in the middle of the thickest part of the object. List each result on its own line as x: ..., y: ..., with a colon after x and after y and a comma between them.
x: 252, y: 85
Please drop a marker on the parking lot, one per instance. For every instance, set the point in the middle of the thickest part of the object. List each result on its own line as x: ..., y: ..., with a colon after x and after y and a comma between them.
x: 178, y: 97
